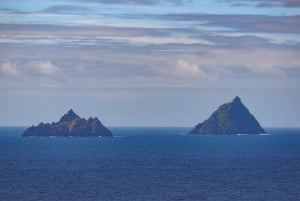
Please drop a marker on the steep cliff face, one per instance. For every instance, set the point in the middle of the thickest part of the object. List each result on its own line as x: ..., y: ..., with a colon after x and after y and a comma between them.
x: 230, y: 118
x: 69, y: 124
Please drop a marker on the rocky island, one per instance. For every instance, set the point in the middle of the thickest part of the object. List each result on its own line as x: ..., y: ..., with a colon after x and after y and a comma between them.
x: 69, y: 125
x: 231, y: 119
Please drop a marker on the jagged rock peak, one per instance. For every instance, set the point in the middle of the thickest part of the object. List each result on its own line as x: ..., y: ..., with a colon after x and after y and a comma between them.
x: 71, y: 115
x: 70, y: 124
x: 230, y: 118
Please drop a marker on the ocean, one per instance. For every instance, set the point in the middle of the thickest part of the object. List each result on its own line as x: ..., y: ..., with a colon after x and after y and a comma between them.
x: 151, y: 164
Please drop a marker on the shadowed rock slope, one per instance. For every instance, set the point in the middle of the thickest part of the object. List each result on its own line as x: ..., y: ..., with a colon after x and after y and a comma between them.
x: 69, y: 124
x: 231, y: 118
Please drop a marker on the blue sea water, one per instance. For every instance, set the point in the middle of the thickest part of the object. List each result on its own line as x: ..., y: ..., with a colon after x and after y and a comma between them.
x: 151, y: 164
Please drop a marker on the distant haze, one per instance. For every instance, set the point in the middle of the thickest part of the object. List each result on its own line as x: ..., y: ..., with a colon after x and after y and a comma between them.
x: 149, y: 62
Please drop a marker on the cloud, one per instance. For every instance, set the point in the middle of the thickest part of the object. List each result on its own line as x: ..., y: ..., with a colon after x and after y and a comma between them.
x: 48, y: 40
x: 186, y: 69
x: 30, y: 69
x: 9, y: 69
x: 260, y: 61
x: 67, y: 9
x: 45, y: 68
x: 119, y: 56
x: 149, y: 40
x: 291, y: 2
x: 246, y: 23
x: 278, y: 3
x: 9, y: 10
x: 181, y: 69
x: 159, y: 38
x: 264, y: 3
x: 91, y: 35
x: 135, y: 2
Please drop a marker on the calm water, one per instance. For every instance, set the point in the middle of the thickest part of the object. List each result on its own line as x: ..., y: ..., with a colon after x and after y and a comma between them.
x: 151, y: 164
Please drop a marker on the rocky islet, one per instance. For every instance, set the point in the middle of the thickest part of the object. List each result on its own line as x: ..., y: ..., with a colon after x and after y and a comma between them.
x: 231, y: 119
x: 69, y: 125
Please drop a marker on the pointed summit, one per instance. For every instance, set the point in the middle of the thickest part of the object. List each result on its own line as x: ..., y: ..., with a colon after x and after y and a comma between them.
x: 69, y: 116
x: 237, y: 100
x: 230, y: 118
x: 71, y: 111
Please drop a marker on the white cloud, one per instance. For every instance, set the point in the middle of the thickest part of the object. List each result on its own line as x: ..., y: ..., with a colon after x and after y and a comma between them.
x: 150, y: 40
x: 187, y: 70
x: 96, y: 40
x: 181, y: 69
x: 45, y: 68
x: 31, y: 69
x: 9, y: 69
x: 260, y: 61
x: 275, y: 38
x: 47, y: 40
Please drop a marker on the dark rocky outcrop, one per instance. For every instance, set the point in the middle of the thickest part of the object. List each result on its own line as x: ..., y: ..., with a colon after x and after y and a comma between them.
x: 70, y: 124
x: 230, y: 118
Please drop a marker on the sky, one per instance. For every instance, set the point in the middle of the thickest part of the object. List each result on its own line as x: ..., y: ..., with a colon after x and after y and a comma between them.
x: 148, y: 62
